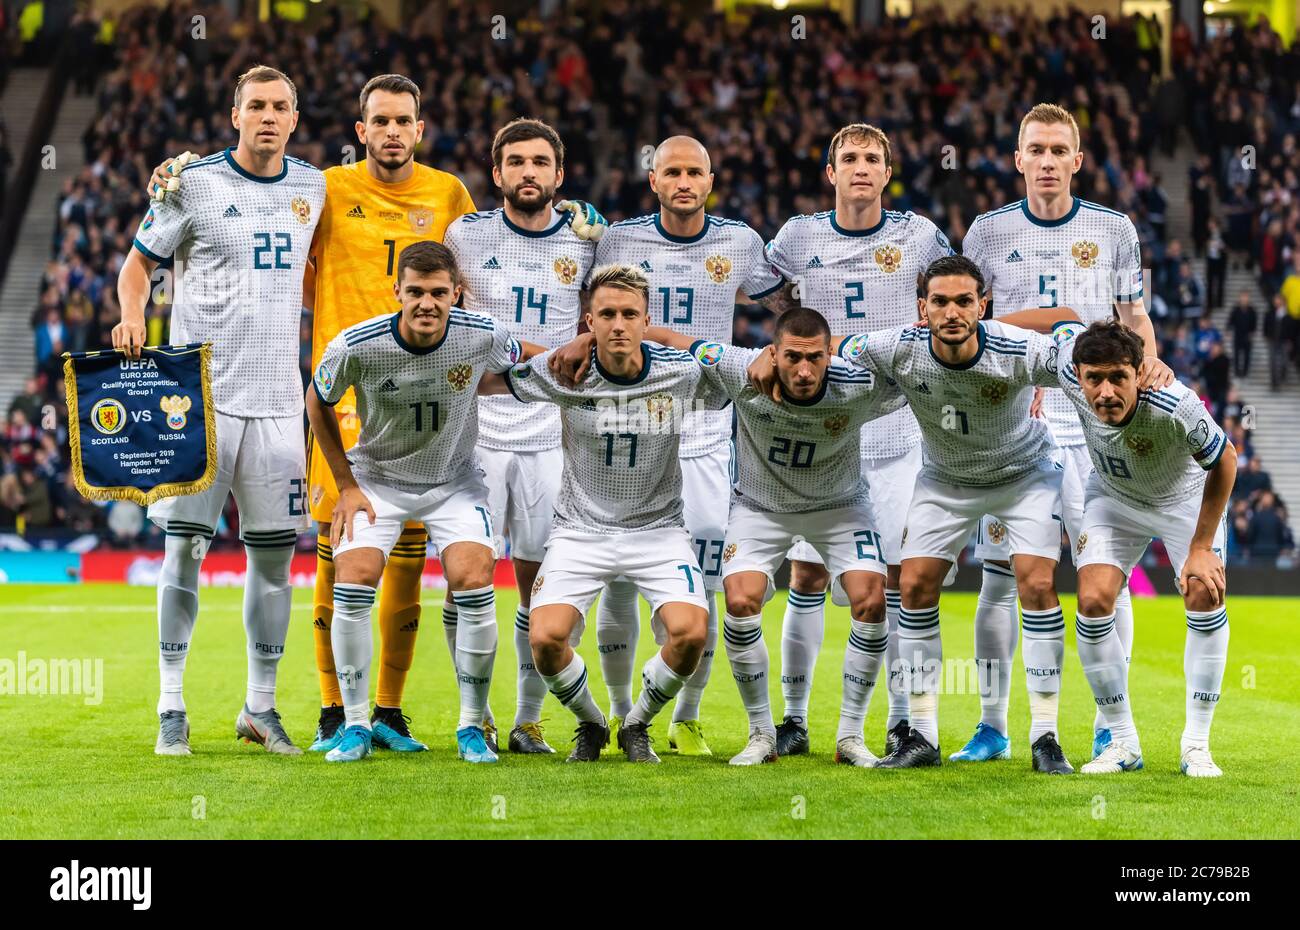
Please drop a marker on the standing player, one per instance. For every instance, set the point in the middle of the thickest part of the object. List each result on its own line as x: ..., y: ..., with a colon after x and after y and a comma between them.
x: 415, y: 374
x: 1164, y: 468
x: 858, y: 266
x: 694, y: 263
x: 239, y: 233
x: 1050, y: 249
x: 618, y: 515
x: 523, y: 266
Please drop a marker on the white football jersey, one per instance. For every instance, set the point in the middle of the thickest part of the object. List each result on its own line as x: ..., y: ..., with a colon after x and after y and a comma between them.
x: 974, y: 418
x: 1160, y: 456
x: 693, y: 284
x: 859, y: 280
x: 798, y: 456
x: 531, y: 283
x: 621, y: 438
x: 417, y: 407
x: 240, y: 245
x: 1087, y: 260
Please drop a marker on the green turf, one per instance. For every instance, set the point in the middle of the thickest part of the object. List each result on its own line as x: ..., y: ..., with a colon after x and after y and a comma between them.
x: 70, y: 769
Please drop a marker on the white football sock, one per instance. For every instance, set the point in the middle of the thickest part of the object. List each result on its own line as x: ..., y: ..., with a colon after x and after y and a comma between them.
x: 659, y: 685
x: 1044, y: 634
x: 531, y: 690
x: 1102, y: 658
x: 618, y: 626
x: 351, y: 642
x: 921, y: 661
x: 268, y: 600
x: 862, y: 659
x: 688, y: 700
x: 476, y: 648
x: 1204, y: 659
x: 1124, y: 628
x: 802, y: 630
x: 569, y: 686
x: 178, y: 608
x: 899, y: 699
x: 996, y: 632
x: 747, y: 653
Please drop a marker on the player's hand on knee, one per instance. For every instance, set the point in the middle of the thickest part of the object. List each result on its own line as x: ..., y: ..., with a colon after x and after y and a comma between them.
x: 1154, y: 374
x: 167, y: 176
x: 569, y: 363
x: 762, y: 375
x: 1204, y: 566
x: 128, y: 335
x: 351, y: 502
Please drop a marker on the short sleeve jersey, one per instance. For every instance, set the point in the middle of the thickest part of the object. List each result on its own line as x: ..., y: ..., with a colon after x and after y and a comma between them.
x: 1160, y: 456
x: 974, y: 417
x: 531, y: 283
x: 693, y: 284
x: 417, y: 406
x: 859, y: 280
x: 1087, y: 260
x: 621, y: 438
x: 801, y: 455
x: 240, y: 244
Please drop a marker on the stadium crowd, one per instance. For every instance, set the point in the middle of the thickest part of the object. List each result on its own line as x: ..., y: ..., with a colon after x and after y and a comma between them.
x: 949, y: 95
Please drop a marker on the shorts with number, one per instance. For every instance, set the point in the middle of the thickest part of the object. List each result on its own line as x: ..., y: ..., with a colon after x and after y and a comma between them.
x: 1076, y: 466
x: 659, y: 562
x: 262, y: 461
x: 1026, y: 512
x: 1117, y: 532
x: 521, y: 496
x: 890, y: 482
x: 844, y: 540
x: 706, y: 497
x: 453, y: 512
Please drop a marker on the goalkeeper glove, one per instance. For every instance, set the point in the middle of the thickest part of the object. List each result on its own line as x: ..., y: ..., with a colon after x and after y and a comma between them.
x: 157, y: 192
x: 585, y: 222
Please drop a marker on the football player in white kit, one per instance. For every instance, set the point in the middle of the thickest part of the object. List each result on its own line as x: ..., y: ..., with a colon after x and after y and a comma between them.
x: 858, y: 266
x: 695, y: 263
x: 523, y: 265
x: 618, y: 516
x: 1050, y: 249
x: 415, y: 374
x: 239, y: 231
x: 1163, y: 468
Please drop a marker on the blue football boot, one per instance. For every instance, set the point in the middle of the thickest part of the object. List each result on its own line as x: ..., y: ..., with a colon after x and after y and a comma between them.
x: 329, y: 730
x: 353, y: 746
x: 392, y: 730
x: 986, y: 744
x: 471, y: 746
x: 1100, y: 740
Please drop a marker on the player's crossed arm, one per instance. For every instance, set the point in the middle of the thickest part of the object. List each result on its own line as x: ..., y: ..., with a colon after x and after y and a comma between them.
x: 494, y: 382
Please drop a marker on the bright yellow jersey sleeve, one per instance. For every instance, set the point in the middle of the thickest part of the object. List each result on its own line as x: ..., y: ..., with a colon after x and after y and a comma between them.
x: 365, y: 226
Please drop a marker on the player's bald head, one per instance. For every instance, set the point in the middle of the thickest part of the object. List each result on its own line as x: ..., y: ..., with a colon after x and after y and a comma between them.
x: 682, y: 150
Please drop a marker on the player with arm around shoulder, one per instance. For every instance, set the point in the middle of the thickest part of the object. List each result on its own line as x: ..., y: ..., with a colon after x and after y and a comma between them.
x: 415, y: 375
x: 1163, y: 468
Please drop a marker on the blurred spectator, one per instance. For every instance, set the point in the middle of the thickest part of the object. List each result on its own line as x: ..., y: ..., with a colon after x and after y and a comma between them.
x: 1267, y: 536
x: 1280, y: 329
x: 1216, y: 266
x: 1252, y: 479
x: 1243, y: 320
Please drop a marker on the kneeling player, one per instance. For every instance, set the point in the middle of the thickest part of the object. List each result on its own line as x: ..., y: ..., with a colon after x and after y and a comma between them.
x: 801, y: 480
x: 415, y: 374
x: 618, y: 515
x: 1163, y: 468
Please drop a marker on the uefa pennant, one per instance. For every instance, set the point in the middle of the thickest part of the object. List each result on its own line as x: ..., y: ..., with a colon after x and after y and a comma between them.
x: 144, y: 429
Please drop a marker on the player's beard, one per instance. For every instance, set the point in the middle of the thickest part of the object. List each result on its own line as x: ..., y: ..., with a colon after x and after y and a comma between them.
x: 533, y: 204
x: 390, y: 162
x: 952, y: 339
x: 681, y: 212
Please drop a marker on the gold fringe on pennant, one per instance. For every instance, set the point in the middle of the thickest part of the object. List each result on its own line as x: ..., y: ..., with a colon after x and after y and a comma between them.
x: 172, y: 489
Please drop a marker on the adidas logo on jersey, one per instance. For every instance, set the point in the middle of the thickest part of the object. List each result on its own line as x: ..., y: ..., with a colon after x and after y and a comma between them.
x: 1015, y: 256
x: 357, y: 213
x: 231, y: 211
x: 923, y: 388
x: 645, y: 266
x: 814, y: 262
x: 492, y: 264
x: 387, y: 385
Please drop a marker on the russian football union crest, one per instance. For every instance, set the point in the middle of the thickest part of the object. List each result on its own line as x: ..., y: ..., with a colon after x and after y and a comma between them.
x: 729, y: 553
x: 537, y: 584
x: 889, y: 258
x: 174, y: 405
x: 718, y: 267
x: 995, y: 392
x: 1083, y: 541
x: 566, y: 269
x: 1084, y: 253
x: 660, y: 407
x: 421, y: 219
x: 836, y: 424
x: 458, y: 376
x: 997, y: 532
x: 108, y: 416
x: 1141, y: 445
x: 301, y: 209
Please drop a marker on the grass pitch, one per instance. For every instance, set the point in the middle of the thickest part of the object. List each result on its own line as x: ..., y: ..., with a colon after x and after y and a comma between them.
x: 88, y: 770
